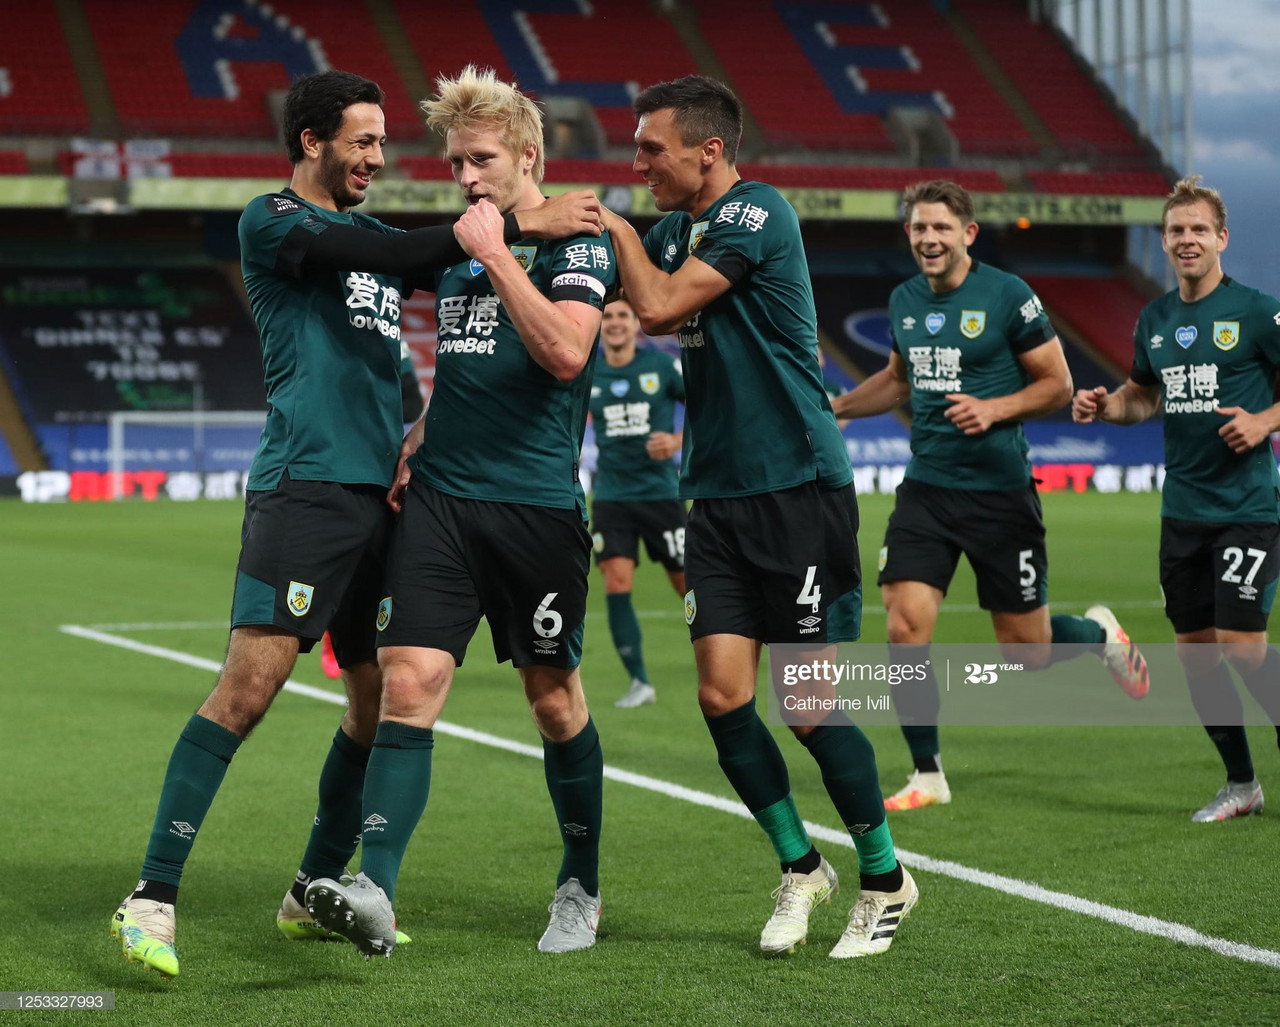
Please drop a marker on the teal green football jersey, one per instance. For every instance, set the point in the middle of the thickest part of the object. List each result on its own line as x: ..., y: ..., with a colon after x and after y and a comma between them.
x: 627, y: 404
x: 966, y: 340
x: 757, y: 418
x: 1221, y: 351
x: 330, y: 352
x: 499, y: 427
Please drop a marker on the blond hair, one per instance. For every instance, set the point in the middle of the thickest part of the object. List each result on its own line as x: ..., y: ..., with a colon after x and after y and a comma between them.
x: 1188, y: 191
x: 477, y: 99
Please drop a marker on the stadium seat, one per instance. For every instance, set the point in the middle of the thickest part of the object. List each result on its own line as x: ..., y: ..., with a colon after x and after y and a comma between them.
x: 1102, y: 311
x: 39, y: 89
x: 13, y: 162
x: 191, y: 69
x: 1067, y: 99
x: 1106, y: 183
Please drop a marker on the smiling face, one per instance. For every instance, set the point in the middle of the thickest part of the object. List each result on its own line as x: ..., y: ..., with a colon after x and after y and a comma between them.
x: 485, y: 167
x: 618, y: 326
x: 671, y: 170
x: 1194, y: 242
x: 940, y: 244
x: 351, y: 158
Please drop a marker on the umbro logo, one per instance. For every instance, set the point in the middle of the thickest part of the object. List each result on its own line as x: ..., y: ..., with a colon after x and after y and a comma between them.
x: 374, y: 822
x: 808, y: 622
x: 1156, y: 340
x: 577, y: 830
x: 908, y: 323
x: 546, y: 645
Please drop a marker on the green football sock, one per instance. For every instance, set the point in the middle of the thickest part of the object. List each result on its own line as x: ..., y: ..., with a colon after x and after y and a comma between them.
x: 574, y: 771
x: 1065, y: 627
x: 1264, y: 684
x: 753, y: 763
x: 396, y: 784
x: 196, y: 769
x: 624, y: 626
x: 336, y: 831
x: 1214, y: 695
x: 848, y: 764
x: 917, y: 702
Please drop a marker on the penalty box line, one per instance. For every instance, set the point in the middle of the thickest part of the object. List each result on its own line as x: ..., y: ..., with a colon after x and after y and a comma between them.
x: 1169, y: 929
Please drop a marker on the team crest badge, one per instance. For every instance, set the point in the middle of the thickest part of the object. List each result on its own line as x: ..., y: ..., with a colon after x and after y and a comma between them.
x: 1185, y: 336
x: 1226, y: 334
x: 620, y: 387
x: 690, y: 607
x: 972, y: 323
x: 884, y: 556
x: 597, y: 542
x: 384, y: 614
x: 696, y: 233
x: 934, y: 322
x: 524, y: 256
x: 300, y: 598
x: 649, y: 383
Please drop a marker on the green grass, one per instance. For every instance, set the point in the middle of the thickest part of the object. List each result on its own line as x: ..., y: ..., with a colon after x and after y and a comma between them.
x: 1100, y: 813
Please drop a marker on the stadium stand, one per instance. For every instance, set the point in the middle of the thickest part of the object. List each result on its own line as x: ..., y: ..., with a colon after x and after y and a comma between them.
x: 1101, y: 310
x: 204, y: 165
x: 7, y: 464
x: 1066, y: 98
x: 981, y: 180
x: 796, y: 109
x: 205, y: 69
x: 931, y: 63
x: 39, y: 89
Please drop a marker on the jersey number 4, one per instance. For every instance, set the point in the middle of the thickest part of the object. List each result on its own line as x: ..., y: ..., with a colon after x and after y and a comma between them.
x: 810, y: 594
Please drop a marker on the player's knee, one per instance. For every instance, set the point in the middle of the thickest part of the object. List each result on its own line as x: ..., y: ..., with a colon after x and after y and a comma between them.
x: 1245, y: 659
x: 408, y: 686
x: 1029, y: 654
x: 716, y: 698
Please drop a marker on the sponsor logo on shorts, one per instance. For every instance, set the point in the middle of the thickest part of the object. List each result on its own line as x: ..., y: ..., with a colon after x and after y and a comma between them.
x: 884, y: 556
x: 1226, y: 334
x: 809, y: 625
x: 384, y: 614
x: 300, y: 598
x: 1248, y: 593
x: 690, y: 607
x: 597, y: 542
x: 545, y: 647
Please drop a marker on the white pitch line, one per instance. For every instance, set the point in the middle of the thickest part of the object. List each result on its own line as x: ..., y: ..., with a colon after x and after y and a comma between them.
x: 1169, y: 929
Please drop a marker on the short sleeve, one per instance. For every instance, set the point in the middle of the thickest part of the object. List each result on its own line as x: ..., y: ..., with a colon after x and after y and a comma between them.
x: 1141, y: 372
x: 583, y: 269
x: 275, y: 231
x: 1029, y: 325
x: 742, y: 232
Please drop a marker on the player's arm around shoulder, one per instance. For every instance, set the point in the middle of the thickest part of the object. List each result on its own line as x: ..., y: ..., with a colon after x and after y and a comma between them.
x: 662, y: 301
x: 559, y: 334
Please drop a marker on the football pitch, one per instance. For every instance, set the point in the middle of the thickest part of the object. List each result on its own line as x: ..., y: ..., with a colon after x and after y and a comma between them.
x: 1064, y: 884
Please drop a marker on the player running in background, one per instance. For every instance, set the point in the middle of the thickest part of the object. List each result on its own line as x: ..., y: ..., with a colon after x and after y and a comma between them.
x: 493, y: 516
x: 1208, y: 353
x: 771, y: 552
x: 976, y: 355
x: 634, y: 493
x: 316, y: 523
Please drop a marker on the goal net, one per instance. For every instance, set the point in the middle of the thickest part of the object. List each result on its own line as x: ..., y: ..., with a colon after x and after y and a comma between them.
x: 199, y: 452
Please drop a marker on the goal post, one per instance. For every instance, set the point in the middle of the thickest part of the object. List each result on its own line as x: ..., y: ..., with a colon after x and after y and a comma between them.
x: 180, y: 441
